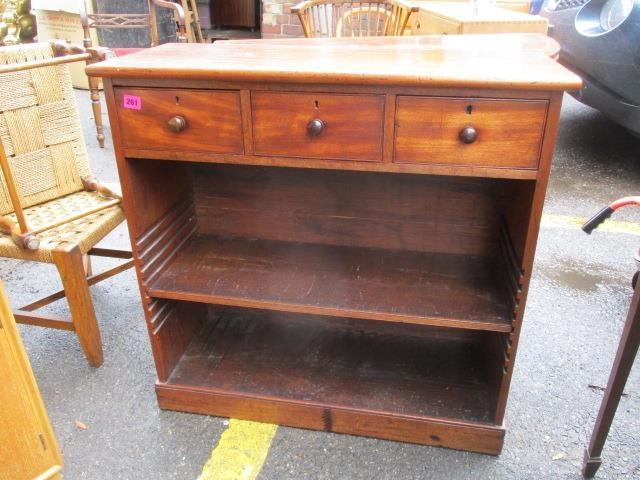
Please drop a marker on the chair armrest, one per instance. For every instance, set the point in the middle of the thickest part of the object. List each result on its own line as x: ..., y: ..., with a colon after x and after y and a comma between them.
x: 179, y: 14
x: 26, y: 240
x: 68, y: 52
x: 62, y: 53
x: 99, y: 54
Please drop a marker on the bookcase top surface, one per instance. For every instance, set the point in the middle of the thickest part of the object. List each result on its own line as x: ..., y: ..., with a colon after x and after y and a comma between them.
x: 503, y: 61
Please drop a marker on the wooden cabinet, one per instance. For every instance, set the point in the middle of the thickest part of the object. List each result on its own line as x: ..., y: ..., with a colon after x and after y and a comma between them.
x: 28, y: 448
x: 366, y: 273
x: 235, y: 13
x: 521, y: 6
x: 451, y: 18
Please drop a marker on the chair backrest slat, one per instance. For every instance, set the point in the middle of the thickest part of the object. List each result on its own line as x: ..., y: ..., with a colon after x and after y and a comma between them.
x: 123, y: 20
x: 147, y: 20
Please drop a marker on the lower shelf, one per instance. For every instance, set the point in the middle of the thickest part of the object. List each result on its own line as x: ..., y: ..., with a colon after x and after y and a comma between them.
x: 410, y: 383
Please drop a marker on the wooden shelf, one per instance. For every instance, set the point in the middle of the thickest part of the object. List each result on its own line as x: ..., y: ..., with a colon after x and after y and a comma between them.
x: 459, y: 291
x: 339, y: 364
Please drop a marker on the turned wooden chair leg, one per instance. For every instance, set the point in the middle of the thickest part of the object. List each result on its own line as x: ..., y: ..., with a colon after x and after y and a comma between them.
x: 94, y: 88
x: 69, y: 261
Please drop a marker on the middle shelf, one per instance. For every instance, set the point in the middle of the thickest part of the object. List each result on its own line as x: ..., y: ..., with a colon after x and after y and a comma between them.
x: 450, y: 290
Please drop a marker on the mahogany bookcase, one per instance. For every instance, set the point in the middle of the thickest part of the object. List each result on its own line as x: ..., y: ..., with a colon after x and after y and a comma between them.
x: 338, y: 234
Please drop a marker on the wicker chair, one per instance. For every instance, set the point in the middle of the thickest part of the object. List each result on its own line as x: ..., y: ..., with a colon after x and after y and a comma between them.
x: 339, y: 18
x: 51, y: 208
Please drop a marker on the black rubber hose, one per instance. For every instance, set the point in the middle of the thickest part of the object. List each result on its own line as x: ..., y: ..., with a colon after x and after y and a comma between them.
x: 597, y: 219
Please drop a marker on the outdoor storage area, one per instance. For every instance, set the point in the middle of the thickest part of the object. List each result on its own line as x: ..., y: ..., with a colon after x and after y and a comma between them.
x: 337, y: 256
x: 580, y: 293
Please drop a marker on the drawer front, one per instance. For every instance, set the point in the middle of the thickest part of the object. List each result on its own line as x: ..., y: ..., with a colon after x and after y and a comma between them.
x: 327, y: 126
x: 151, y: 119
x: 467, y: 131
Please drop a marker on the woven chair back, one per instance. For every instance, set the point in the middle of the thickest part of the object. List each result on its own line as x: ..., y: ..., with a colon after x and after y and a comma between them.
x: 342, y: 18
x: 40, y: 129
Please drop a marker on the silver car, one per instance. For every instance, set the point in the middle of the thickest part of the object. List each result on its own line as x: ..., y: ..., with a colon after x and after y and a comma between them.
x: 600, y: 41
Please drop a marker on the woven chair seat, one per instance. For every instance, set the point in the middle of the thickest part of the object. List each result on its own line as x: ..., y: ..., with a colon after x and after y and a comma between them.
x: 85, y: 232
x: 54, y: 209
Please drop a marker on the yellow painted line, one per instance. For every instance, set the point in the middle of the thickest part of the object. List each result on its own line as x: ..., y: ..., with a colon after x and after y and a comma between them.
x: 241, y: 451
x: 567, y: 221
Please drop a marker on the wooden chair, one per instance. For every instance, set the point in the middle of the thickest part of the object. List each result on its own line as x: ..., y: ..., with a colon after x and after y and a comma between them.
x: 339, y: 18
x: 146, y: 20
x: 51, y: 207
x: 192, y: 22
x: 122, y: 21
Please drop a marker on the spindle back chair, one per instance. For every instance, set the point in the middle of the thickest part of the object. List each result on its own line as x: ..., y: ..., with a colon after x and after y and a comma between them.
x: 344, y: 18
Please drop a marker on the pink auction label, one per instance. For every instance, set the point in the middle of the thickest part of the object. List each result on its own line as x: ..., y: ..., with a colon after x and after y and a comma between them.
x: 132, y: 102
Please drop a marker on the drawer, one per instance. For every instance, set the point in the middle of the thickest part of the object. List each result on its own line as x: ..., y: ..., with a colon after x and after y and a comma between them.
x: 468, y: 131
x: 327, y: 126
x: 211, y: 120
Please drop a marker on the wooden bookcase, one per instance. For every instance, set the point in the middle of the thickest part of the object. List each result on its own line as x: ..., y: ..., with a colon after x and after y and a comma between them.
x: 363, y: 274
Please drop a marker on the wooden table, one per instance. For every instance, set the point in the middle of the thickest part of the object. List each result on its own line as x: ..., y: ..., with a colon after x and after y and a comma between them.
x: 338, y: 234
x: 463, y: 18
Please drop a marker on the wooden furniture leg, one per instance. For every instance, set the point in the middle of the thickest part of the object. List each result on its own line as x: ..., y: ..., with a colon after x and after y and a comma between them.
x: 625, y: 356
x: 69, y: 261
x: 94, y: 89
x: 86, y: 263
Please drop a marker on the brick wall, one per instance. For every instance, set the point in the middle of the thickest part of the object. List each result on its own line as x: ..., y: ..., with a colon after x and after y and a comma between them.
x: 278, y: 21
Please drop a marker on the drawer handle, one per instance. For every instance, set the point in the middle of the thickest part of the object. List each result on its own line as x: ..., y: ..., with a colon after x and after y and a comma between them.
x: 177, y: 124
x: 315, y: 127
x: 468, y: 135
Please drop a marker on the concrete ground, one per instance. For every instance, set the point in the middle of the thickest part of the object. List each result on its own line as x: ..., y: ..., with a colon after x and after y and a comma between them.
x: 575, y: 313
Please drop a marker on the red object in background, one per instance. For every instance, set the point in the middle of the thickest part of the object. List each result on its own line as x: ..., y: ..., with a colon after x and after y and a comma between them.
x: 623, y: 202
x: 121, y: 52
x: 607, y: 211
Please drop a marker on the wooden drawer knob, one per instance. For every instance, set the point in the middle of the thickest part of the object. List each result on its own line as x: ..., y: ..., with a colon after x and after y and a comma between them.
x: 315, y: 127
x: 468, y: 135
x: 177, y: 124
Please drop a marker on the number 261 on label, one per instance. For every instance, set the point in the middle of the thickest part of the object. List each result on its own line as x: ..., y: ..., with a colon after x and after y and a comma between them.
x: 132, y: 102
